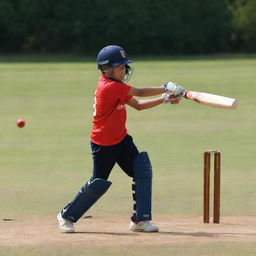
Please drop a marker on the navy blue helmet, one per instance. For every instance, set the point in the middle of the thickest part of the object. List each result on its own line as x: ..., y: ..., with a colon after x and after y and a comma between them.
x: 112, y: 55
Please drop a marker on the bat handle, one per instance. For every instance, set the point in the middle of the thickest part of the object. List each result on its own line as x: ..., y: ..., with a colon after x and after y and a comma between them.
x: 187, y: 94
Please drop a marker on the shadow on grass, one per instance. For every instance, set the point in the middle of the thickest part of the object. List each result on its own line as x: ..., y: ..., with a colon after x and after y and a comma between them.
x: 191, y: 234
x: 105, y: 233
x: 68, y: 58
x: 205, y: 234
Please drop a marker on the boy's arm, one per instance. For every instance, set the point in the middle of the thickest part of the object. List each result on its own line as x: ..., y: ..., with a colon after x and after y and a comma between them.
x: 147, y: 91
x: 150, y: 103
x: 144, y: 104
x: 170, y: 87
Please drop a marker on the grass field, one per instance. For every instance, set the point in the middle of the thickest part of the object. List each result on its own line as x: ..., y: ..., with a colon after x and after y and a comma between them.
x: 45, y: 163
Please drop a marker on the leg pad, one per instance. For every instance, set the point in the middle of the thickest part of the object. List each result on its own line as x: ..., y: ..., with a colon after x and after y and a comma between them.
x: 142, y: 186
x: 86, y: 197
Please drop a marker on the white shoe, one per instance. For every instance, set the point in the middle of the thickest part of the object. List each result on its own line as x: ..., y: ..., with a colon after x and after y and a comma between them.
x: 143, y: 226
x: 65, y: 226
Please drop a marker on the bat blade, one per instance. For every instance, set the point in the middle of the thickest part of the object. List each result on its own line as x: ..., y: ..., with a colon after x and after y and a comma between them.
x: 212, y: 100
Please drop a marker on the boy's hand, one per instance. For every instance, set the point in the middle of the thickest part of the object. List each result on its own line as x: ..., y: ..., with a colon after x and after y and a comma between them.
x: 168, y: 98
x: 173, y: 88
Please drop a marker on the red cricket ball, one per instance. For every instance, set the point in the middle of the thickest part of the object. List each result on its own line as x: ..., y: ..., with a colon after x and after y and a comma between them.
x: 20, y: 123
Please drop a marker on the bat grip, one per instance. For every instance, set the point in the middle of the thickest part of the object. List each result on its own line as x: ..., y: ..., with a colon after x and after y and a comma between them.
x: 186, y: 94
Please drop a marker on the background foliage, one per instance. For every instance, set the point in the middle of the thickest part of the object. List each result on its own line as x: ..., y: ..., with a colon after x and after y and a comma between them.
x: 144, y: 27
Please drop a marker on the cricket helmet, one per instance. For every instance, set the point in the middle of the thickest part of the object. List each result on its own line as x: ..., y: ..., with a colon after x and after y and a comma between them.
x: 112, y: 55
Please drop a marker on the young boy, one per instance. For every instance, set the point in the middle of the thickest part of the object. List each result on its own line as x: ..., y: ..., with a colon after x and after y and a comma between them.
x: 111, y: 144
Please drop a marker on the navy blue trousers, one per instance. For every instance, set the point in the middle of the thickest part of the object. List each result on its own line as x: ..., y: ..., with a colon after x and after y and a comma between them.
x: 105, y: 157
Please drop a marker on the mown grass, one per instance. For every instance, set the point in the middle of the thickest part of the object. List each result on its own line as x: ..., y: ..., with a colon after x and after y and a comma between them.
x: 46, y: 162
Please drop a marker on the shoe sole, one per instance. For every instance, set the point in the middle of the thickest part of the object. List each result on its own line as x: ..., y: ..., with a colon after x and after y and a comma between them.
x: 67, y: 231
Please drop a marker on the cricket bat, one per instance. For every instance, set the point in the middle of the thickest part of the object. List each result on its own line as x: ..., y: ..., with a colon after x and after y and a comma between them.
x: 212, y: 100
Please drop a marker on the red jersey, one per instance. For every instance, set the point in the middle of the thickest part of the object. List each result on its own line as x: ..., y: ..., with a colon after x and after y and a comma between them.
x: 109, y: 115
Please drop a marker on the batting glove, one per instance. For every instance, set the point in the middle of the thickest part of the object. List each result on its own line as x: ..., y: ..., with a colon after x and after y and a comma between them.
x: 168, y: 98
x: 173, y: 88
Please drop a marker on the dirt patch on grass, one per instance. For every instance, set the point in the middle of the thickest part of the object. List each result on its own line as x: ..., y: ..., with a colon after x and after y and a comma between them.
x: 110, y: 231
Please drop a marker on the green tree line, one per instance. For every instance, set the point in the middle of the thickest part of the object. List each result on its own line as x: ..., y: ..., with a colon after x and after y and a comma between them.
x: 142, y: 26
